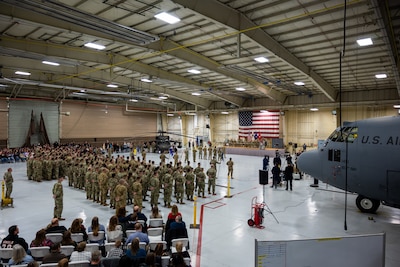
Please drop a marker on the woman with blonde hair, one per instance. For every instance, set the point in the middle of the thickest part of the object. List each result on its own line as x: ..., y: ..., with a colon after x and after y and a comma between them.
x: 19, y: 256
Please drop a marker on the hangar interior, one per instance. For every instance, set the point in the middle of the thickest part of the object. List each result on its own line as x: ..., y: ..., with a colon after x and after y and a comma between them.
x: 217, y: 59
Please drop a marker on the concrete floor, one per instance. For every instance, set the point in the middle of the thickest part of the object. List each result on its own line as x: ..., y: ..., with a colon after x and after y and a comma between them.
x: 224, y: 237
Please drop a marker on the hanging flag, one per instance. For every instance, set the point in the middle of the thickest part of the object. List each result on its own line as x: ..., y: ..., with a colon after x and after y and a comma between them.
x: 265, y: 124
x: 42, y: 130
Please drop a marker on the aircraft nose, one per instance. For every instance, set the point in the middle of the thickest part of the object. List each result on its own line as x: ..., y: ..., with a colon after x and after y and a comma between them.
x: 310, y: 162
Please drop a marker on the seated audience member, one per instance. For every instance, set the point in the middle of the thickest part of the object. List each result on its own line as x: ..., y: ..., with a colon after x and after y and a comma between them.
x: 155, y: 213
x: 33, y: 264
x: 95, y: 227
x: 135, y: 252
x: 19, y: 256
x: 95, y: 260
x: 55, y: 254
x: 171, y: 217
x: 55, y: 227
x: 67, y: 239
x: 140, y: 215
x: 77, y: 227
x: 178, y: 223
x: 150, y: 260
x: 173, y: 233
x: 114, y: 230
x: 116, y: 251
x: 143, y: 237
x: 41, y: 240
x: 123, y: 220
x: 80, y: 254
x: 13, y: 239
x: 159, y: 252
x: 177, y: 259
x: 62, y: 263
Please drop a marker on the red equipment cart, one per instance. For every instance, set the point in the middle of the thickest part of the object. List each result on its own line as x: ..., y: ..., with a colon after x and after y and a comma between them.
x: 257, y: 214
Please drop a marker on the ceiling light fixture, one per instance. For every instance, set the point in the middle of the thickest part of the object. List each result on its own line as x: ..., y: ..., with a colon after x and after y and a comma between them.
x: 146, y: 80
x: 163, y: 97
x: 194, y: 71
x: 261, y: 59
x: 240, y: 89
x: 196, y: 94
x: 364, y: 42
x: 299, y: 83
x: 164, y: 16
x: 225, y: 112
x: 381, y: 76
x: 314, y: 109
x: 22, y: 73
x: 112, y: 85
x: 95, y: 46
x: 170, y: 114
x: 51, y: 63
x: 396, y: 106
x: 133, y: 100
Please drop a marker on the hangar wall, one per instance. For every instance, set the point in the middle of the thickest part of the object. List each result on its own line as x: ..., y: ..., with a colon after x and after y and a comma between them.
x: 98, y: 122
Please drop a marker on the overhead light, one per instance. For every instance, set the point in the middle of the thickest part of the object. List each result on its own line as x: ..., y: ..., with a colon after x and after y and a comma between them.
x: 240, y: 89
x: 112, y: 85
x: 164, y: 16
x: 51, y: 63
x: 381, y: 76
x: 95, y: 46
x: 364, y: 42
x: 299, y: 83
x: 314, y: 109
x: 196, y: 94
x: 22, y: 73
x: 170, y: 114
x: 146, y: 80
x: 163, y: 97
x: 261, y: 59
x: 194, y: 71
x: 133, y: 100
x: 225, y: 112
x: 264, y: 111
x: 396, y: 106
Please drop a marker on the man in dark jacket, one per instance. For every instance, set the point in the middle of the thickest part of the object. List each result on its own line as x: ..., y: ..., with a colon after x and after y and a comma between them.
x: 13, y: 238
x: 55, y: 254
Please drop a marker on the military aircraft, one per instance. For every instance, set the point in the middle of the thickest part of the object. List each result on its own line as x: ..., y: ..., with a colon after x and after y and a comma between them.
x: 371, y: 148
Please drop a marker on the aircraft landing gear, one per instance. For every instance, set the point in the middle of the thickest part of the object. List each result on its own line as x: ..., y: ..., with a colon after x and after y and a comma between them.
x: 367, y: 205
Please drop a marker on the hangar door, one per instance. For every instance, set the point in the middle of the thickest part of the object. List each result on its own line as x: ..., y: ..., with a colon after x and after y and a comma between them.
x: 19, y: 120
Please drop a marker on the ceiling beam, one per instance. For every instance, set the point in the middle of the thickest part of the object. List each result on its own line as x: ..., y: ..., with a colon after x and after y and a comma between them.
x: 98, y: 75
x: 81, y: 54
x: 185, y: 53
x: 230, y: 17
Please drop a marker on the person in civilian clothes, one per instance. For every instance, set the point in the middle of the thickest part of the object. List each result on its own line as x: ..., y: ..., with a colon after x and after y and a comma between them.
x: 289, y: 176
x: 276, y: 171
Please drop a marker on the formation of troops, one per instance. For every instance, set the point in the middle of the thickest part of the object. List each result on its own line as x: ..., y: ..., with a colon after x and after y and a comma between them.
x: 124, y: 180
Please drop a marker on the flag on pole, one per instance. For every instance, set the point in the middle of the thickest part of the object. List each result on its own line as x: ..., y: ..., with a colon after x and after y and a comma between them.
x: 265, y: 124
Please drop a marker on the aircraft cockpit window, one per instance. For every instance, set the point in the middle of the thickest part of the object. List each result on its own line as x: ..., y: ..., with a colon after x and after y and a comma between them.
x: 348, y: 134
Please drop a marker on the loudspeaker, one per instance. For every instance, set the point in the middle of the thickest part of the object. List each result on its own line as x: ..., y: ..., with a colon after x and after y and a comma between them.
x: 207, y: 126
x: 263, y: 176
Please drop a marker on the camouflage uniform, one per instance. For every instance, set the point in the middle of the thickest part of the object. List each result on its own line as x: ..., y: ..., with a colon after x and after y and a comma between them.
x: 137, y: 193
x: 103, y: 186
x: 189, y: 177
x: 212, y: 174
x: 58, y: 198
x: 168, y: 183
x: 120, y: 193
x: 201, y: 182
x: 154, y: 186
x: 179, y: 187
x: 230, y: 167
x: 8, y: 179
x: 194, y: 153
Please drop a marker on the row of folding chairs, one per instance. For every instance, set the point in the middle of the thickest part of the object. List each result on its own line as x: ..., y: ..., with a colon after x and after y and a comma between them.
x: 77, y: 237
x: 70, y: 264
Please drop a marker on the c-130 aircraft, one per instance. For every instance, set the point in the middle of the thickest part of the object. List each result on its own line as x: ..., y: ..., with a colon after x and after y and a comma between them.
x: 372, y: 150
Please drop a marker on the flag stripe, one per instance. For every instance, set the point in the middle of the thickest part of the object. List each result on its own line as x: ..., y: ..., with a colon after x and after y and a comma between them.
x: 255, y: 124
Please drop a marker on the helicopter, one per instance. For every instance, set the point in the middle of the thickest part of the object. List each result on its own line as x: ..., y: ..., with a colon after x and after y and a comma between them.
x: 361, y: 157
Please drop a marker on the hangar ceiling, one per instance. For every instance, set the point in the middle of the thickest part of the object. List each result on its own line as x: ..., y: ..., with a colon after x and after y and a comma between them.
x: 302, y: 41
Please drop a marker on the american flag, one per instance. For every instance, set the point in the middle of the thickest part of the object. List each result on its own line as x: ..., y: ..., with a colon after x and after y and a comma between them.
x: 264, y: 124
